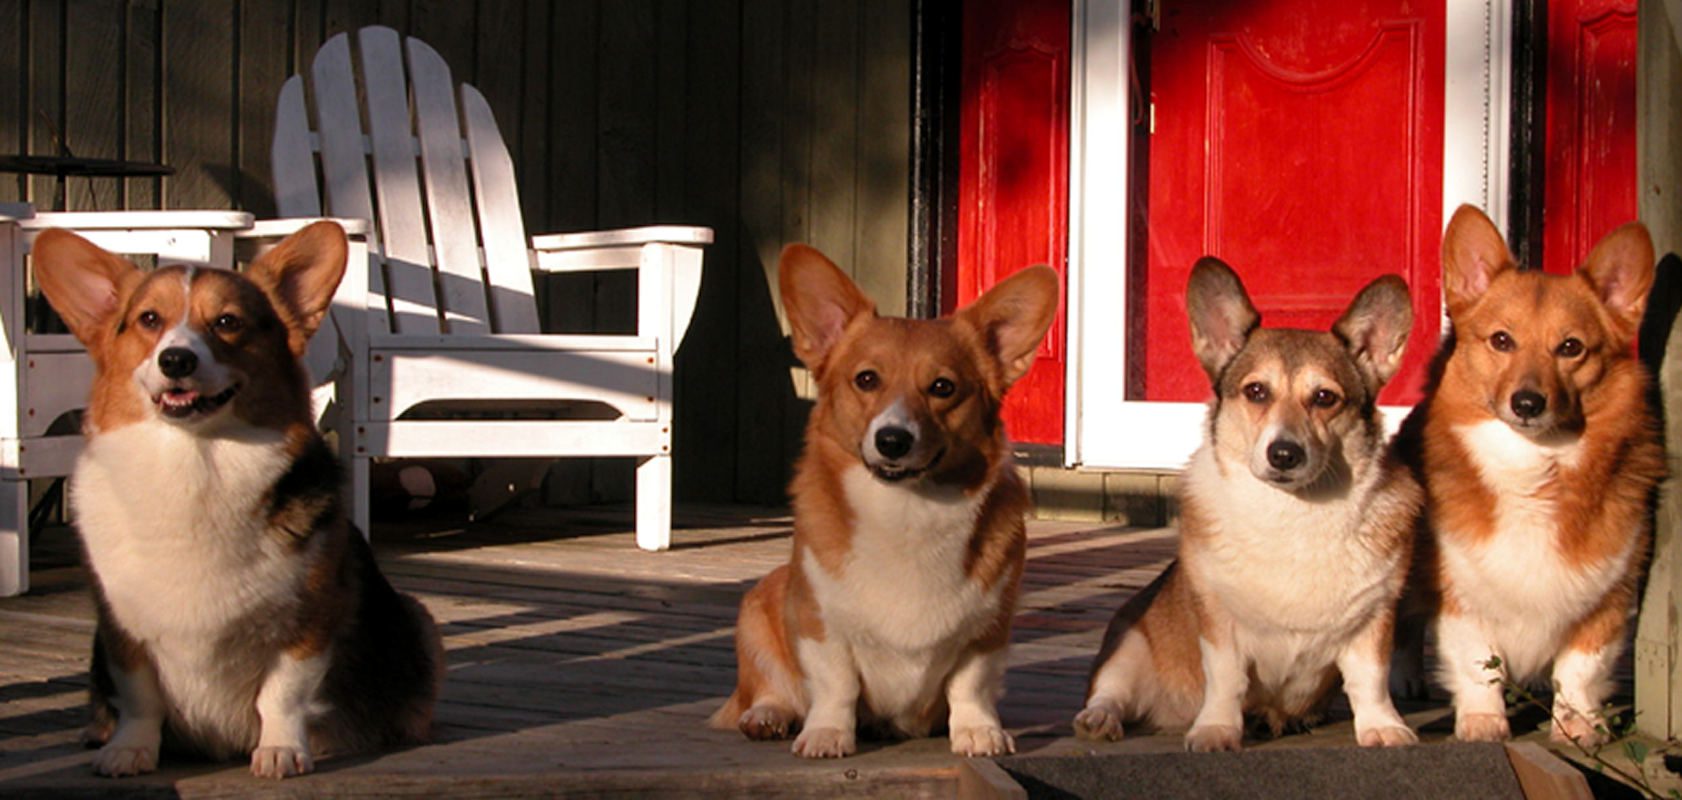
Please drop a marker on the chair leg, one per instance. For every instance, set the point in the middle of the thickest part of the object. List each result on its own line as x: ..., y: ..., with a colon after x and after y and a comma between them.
x: 14, y: 538
x: 654, y: 502
x: 359, y: 494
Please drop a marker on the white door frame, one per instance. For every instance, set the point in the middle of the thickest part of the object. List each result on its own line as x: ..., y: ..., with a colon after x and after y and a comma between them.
x: 1102, y: 428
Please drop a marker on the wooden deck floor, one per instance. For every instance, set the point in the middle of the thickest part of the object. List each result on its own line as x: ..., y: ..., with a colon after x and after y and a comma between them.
x: 578, y: 662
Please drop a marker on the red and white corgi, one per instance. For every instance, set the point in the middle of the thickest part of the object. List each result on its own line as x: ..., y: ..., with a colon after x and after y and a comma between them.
x: 239, y: 611
x: 909, y: 542
x: 1539, y: 456
x: 1295, y: 534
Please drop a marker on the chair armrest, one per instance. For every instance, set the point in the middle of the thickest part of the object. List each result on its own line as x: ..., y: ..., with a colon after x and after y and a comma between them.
x: 276, y: 228
x: 670, y: 271
x: 138, y: 220
x: 622, y: 237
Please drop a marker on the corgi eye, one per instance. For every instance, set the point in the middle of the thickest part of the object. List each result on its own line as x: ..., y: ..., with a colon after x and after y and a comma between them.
x: 1570, y: 348
x: 149, y: 320
x: 228, y: 324
x: 1502, y: 342
x: 867, y: 380
x: 1326, y: 398
x: 1256, y: 392
x: 943, y: 388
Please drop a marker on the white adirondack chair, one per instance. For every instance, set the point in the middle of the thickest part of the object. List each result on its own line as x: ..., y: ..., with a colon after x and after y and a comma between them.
x: 451, y: 315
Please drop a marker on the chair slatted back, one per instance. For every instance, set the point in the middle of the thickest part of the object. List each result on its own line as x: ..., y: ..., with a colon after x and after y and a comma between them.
x: 441, y: 192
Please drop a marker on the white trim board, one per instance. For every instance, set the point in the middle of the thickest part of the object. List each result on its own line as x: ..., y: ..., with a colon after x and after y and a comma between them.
x: 1103, y: 429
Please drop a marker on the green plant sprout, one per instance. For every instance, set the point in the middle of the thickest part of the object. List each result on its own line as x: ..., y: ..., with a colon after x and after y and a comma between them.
x: 1614, y: 727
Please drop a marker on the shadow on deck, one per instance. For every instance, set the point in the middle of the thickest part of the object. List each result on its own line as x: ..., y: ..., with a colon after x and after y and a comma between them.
x: 581, y: 664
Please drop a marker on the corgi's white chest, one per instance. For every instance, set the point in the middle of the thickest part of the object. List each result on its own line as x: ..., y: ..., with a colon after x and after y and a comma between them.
x: 1517, y: 579
x: 174, y: 529
x: 902, y: 599
x: 1287, y: 570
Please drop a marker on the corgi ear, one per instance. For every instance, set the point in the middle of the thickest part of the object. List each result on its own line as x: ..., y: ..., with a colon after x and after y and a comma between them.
x: 82, y: 281
x: 1221, y: 314
x: 821, y: 302
x: 300, y: 276
x: 1375, y: 328
x: 1473, y: 254
x: 1621, y: 269
x: 1013, y: 317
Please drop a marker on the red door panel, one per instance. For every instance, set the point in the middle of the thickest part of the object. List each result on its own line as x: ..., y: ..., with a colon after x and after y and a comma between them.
x: 1300, y: 141
x: 1013, y: 177
x: 1589, y: 184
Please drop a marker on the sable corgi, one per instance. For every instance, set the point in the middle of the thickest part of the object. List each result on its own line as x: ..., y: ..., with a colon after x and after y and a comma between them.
x: 1295, y: 534
x: 239, y: 611
x: 1539, y: 455
x: 909, y: 545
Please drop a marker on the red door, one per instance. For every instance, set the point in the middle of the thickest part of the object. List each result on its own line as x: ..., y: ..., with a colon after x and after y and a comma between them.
x: 1300, y: 141
x: 1589, y: 183
x: 1013, y: 206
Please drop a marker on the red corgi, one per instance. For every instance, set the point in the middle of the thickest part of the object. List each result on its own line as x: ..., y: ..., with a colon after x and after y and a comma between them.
x: 239, y: 613
x: 894, y: 609
x: 1539, y: 455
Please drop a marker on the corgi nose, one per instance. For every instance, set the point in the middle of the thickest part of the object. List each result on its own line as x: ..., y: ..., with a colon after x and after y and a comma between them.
x: 894, y: 442
x: 1528, y: 405
x: 177, y: 362
x: 1285, y: 455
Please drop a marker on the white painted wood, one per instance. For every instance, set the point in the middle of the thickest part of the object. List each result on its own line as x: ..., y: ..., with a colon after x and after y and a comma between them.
x: 517, y: 439
x: 294, y: 153
x: 1107, y: 429
x: 538, y: 342
x: 49, y: 456
x: 397, y: 183
x: 432, y: 231
x: 187, y: 221
x: 14, y: 492
x: 502, y: 230
x: 597, y: 259
x: 1477, y: 107
x: 339, y: 136
x: 654, y: 502
x: 279, y: 228
x: 1098, y: 231
x: 14, y: 538
x: 448, y: 207
x: 54, y: 384
x: 623, y: 380
x: 675, y: 234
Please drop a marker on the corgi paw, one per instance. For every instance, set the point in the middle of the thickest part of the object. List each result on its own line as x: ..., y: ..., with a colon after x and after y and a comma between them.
x: 824, y: 743
x: 116, y: 761
x: 1482, y: 728
x: 281, y: 762
x: 1585, y: 730
x: 1387, y: 736
x: 1214, y: 738
x: 1099, y: 722
x: 982, y: 740
x: 765, y: 722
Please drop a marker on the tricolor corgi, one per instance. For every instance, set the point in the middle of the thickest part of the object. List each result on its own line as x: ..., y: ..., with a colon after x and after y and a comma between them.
x: 1295, y: 534
x: 894, y: 610
x: 239, y: 612
x: 1539, y: 456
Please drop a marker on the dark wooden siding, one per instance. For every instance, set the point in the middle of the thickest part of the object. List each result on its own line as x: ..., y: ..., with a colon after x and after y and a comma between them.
x: 770, y: 120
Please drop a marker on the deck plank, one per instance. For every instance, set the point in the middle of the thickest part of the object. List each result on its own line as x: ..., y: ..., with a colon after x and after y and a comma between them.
x: 578, y: 662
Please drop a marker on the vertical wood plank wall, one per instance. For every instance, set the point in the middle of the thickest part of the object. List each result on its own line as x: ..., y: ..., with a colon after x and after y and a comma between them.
x: 770, y: 120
